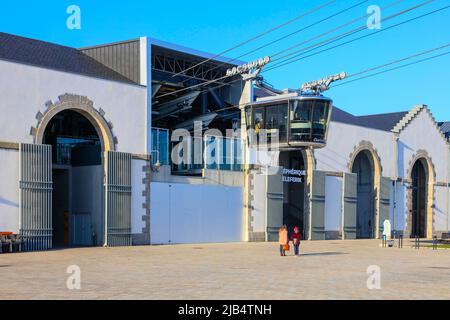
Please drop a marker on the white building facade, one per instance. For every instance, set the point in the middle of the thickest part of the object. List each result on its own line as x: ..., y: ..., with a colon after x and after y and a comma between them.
x: 85, y: 150
x: 76, y: 147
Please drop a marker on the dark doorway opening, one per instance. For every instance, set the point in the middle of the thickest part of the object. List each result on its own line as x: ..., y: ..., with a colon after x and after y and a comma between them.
x: 293, y: 189
x: 77, y: 218
x: 365, y: 212
x: 419, y: 200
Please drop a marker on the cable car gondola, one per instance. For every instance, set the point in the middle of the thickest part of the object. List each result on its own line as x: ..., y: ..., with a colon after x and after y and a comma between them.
x: 300, y: 119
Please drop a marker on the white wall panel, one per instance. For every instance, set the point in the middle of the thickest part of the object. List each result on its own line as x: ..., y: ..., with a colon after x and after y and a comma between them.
x: 159, y: 213
x: 440, y: 211
x: 9, y: 190
x: 183, y: 213
x: 333, y: 203
x: 259, y: 194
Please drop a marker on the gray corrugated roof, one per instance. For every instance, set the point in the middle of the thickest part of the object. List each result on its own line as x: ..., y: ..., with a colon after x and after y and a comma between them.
x: 383, y: 121
x: 54, y: 56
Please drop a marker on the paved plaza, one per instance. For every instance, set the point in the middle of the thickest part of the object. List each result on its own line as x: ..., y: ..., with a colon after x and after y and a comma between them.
x: 326, y: 270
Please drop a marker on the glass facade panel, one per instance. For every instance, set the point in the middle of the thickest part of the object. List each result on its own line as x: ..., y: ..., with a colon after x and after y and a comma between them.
x: 163, y: 147
x: 160, y: 146
x: 223, y: 154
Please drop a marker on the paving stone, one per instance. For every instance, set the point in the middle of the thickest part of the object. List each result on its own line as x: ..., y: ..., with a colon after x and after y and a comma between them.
x: 326, y: 270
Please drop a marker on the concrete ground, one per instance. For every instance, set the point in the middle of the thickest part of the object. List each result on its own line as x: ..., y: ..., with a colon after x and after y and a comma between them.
x: 326, y: 270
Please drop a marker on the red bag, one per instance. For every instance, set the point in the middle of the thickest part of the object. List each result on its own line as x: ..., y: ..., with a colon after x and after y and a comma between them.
x: 286, y: 247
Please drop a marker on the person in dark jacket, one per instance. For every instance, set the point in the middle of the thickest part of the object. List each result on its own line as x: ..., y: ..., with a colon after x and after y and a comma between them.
x: 296, y: 237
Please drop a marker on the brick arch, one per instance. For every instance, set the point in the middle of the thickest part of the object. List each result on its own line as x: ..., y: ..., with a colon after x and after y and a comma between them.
x: 83, y: 106
x: 430, y: 171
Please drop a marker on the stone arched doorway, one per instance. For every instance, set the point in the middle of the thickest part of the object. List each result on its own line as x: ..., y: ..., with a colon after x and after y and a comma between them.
x: 80, y: 137
x: 420, y: 198
x: 77, y: 175
x: 364, y: 167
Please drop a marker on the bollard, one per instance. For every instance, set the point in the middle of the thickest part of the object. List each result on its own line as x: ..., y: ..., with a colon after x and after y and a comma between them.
x: 385, y: 245
x: 435, y: 243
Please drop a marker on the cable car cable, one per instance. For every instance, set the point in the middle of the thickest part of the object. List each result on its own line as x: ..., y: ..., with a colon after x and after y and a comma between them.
x: 256, y: 37
x: 392, y: 69
x: 301, y: 56
x: 287, y: 63
x: 396, y: 61
x: 291, y: 34
x: 331, y: 31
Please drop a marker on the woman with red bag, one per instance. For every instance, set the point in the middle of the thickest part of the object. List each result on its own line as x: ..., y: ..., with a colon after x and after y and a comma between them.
x: 283, y: 240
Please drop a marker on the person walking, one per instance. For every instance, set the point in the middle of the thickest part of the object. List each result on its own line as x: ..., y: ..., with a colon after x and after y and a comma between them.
x: 283, y: 240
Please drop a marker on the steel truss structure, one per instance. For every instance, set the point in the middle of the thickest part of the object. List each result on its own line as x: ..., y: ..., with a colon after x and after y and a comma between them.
x: 170, y: 64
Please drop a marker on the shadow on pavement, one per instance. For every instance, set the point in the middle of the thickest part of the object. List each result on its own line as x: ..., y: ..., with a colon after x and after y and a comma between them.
x: 322, y: 254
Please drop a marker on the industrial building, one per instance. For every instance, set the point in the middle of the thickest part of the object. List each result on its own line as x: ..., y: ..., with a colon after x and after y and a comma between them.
x: 78, y: 129
x: 86, y: 145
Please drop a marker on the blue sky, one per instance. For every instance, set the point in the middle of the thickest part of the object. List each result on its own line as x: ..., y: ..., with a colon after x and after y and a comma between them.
x: 215, y: 26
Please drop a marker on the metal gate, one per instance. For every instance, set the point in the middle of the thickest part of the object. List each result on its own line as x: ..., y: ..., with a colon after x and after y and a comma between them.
x: 318, y: 206
x: 35, y: 185
x: 349, y: 208
x: 118, y: 199
x: 274, y: 204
